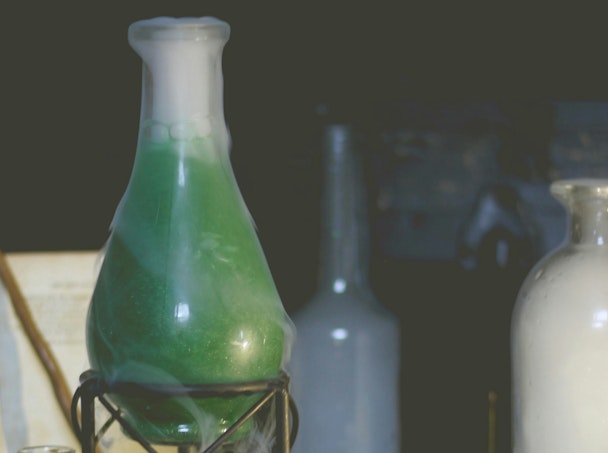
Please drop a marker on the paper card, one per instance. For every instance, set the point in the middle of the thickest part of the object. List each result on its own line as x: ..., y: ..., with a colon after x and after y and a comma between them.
x: 57, y: 287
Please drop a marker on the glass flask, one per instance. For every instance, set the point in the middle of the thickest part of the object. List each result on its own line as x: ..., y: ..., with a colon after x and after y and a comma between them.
x: 184, y: 294
x: 345, y: 361
x: 559, y: 334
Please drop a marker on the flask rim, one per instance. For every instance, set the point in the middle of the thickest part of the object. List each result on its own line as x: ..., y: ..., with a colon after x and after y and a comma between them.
x: 165, y: 28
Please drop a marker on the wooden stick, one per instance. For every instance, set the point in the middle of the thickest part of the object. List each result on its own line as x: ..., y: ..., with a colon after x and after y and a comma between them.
x: 492, y: 397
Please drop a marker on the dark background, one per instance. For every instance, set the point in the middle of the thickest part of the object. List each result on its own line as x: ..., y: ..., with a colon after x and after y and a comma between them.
x: 71, y: 87
x: 71, y: 92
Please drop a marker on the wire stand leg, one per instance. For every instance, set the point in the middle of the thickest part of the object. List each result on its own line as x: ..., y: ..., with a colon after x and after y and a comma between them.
x: 87, y: 407
x: 282, y: 427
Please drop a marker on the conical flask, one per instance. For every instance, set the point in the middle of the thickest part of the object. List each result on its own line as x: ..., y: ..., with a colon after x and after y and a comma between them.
x: 345, y: 362
x: 184, y: 294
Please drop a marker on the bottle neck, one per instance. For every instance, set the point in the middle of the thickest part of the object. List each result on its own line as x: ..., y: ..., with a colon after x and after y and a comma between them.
x: 344, y: 230
x: 589, y: 223
x: 182, y: 83
x: 586, y: 201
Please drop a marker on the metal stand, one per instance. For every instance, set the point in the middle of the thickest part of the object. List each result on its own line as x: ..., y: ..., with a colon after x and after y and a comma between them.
x: 273, y: 391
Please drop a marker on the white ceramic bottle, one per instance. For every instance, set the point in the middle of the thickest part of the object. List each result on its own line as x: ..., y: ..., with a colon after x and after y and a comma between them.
x: 345, y: 362
x: 559, y: 336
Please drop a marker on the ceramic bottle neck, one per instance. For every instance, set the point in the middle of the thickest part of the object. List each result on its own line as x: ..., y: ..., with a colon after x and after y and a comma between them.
x: 589, y: 222
x: 586, y: 201
x: 344, y: 233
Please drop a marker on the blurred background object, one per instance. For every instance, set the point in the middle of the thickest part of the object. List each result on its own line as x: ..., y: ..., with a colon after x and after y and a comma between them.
x: 464, y: 111
x: 345, y: 370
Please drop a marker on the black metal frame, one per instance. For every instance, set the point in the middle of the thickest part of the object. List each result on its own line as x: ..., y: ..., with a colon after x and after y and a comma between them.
x: 92, y: 386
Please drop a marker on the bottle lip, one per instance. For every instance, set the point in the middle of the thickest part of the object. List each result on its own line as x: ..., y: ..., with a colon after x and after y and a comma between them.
x: 580, y: 188
x: 165, y: 28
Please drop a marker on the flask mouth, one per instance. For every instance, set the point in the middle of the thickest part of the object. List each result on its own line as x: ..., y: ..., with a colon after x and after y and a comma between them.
x: 179, y: 29
x: 182, y: 85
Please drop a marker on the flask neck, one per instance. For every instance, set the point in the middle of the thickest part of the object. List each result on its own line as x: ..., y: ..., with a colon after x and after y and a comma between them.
x: 586, y: 201
x: 182, y: 83
x: 344, y: 231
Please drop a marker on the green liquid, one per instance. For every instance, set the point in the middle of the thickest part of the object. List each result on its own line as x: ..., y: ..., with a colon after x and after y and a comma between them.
x: 184, y: 294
